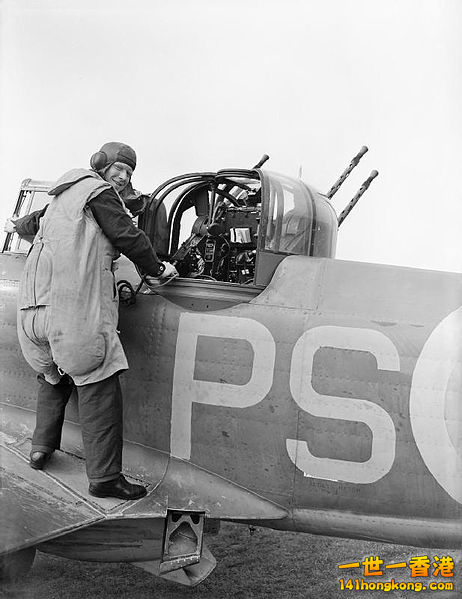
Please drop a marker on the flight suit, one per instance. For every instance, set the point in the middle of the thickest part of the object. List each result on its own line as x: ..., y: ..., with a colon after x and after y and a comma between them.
x: 67, y: 321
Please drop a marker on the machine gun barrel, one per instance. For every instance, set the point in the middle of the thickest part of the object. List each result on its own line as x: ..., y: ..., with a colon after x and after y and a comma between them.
x: 335, y: 187
x: 346, y: 211
x: 262, y: 161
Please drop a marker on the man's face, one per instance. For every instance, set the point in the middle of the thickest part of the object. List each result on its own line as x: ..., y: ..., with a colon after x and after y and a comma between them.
x: 118, y: 175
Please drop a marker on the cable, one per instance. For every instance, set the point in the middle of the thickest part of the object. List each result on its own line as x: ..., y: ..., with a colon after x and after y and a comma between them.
x: 166, y: 282
x: 125, y: 286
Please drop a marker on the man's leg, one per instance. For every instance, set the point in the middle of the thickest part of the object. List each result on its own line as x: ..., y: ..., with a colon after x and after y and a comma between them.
x: 101, y: 420
x: 54, y: 390
x: 51, y: 406
x: 100, y: 413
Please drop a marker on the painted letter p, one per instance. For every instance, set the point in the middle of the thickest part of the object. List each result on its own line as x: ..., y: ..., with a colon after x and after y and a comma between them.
x: 187, y: 390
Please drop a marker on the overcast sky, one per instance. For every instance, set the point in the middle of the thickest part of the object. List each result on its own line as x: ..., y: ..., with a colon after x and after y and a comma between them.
x: 209, y: 84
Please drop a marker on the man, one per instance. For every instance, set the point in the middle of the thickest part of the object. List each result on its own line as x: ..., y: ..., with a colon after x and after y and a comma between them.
x: 68, y: 311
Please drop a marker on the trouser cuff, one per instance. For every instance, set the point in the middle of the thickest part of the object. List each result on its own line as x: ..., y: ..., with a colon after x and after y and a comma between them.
x: 104, y: 479
x: 45, y: 448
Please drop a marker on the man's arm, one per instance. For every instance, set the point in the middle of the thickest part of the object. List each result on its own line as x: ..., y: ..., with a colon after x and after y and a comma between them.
x: 124, y: 235
x: 29, y: 224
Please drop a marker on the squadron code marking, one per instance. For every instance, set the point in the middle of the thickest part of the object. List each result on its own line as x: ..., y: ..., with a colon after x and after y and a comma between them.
x: 427, y: 414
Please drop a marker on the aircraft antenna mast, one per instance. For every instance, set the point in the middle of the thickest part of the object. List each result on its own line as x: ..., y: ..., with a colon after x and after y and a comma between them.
x: 346, y: 211
x: 335, y: 187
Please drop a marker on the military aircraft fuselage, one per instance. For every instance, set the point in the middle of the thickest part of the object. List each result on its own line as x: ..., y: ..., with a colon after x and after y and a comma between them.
x: 333, y: 394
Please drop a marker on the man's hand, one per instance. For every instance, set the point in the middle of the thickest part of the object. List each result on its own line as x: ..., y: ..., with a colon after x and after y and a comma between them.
x: 9, y: 226
x: 169, y: 272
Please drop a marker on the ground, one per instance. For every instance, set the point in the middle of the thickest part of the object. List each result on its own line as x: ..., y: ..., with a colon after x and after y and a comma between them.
x: 266, y: 564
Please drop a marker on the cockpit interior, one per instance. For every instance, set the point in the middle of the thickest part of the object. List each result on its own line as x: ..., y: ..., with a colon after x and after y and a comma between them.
x: 235, y: 226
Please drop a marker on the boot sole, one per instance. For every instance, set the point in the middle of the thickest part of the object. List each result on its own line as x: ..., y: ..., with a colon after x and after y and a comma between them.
x: 124, y: 497
x: 36, y: 466
x: 39, y: 466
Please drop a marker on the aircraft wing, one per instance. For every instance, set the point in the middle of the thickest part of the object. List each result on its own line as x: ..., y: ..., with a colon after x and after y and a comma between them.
x: 34, y: 507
